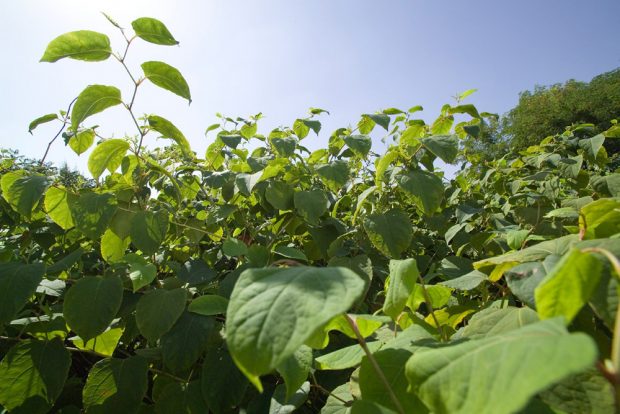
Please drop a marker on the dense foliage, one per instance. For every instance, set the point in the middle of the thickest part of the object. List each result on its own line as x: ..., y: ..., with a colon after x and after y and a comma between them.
x: 263, y: 277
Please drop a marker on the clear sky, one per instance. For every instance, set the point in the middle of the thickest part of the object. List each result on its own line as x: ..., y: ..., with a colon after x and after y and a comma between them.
x: 281, y: 57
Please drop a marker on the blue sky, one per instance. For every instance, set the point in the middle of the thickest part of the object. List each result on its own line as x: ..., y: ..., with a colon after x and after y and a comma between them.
x: 281, y: 57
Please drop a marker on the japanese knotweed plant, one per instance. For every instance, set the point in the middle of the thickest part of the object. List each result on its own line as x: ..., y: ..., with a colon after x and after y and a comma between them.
x: 266, y: 278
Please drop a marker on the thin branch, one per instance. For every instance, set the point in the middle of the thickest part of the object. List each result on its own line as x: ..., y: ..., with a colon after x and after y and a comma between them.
x: 62, y: 128
x: 374, y: 364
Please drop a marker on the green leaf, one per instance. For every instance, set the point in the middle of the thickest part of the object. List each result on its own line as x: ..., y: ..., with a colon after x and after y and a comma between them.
x: 33, y: 375
x: 338, y: 401
x: 234, y: 247
x: 403, y: 277
x: 18, y: 283
x: 492, y: 321
x: 158, y: 310
x: 148, y: 230
x: 345, y: 358
x: 311, y: 205
x: 280, y: 195
x: 468, y: 281
x: 568, y: 286
x: 382, y: 165
x: 445, y: 147
x: 113, y: 248
x: 281, y: 404
x: 468, y: 109
x: 368, y: 407
x: 208, y: 305
x: 262, y: 332
x: 92, y: 212
x: 231, y: 141
x: 182, y: 345
x: 284, y: 146
x: 23, y: 192
x: 380, y: 119
x: 313, y: 125
x: 81, y: 45
x: 592, y: 146
x: 542, y: 352
x: 92, y: 100
x: 41, y: 120
x: 465, y: 94
x: 167, y: 77
x: 104, y: 344
x: 116, y: 385
x: 290, y: 253
x: 586, y: 392
x: 390, y: 232
x: 391, y: 362
x: 248, y: 130
x: 246, y: 182
x: 107, y: 155
x: 195, y: 272
x: 335, y: 174
x: 223, y: 385
x: 425, y: 188
x: 141, y: 272
x: 168, y: 130
x: 82, y: 141
x: 531, y: 254
x: 153, y: 31
x: 442, y: 125
x: 91, y: 304
x: 359, y: 144
x: 295, y: 370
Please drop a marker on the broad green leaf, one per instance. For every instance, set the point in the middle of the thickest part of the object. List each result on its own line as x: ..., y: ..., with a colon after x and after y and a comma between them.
x: 345, y: 358
x: 153, y: 31
x: 359, y: 144
x: 390, y: 232
x: 568, y: 286
x: 425, y: 188
x: 195, y: 272
x: 468, y: 109
x: 542, y: 352
x: 468, y: 281
x: 141, y: 272
x: 392, y: 362
x: 167, y: 77
x: 234, y: 247
x: 41, y: 120
x: 33, y: 375
x: 246, y: 182
x: 231, y: 141
x: 82, y: 141
x: 493, y: 321
x: 92, y: 100
x: 280, y: 195
x: 168, y: 130
x: 148, y: 230
x: 249, y: 130
x: 104, y: 344
x: 81, y: 45
x: 116, y: 385
x: 92, y: 212
x: 339, y: 401
x: 91, y: 304
x: 18, y: 283
x: 516, y: 238
x: 179, y: 398
x: 335, y: 174
x: 65, y: 263
x: 262, y: 331
x: 586, y: 392
x: 223, y: 385
x: 182, y: 345
x: 295, y: 369
x: 524, y: 278
x: 113, y: 248
x: 600, y: 218
x: 403, y: 277
x: 382, y: 165
x: 442, y: 125
x: 439, y: 296
x: 366, y: 125
x: 107, y: 156
x: 311, y: 205
x: 380, y: 119
x: 445, y: 147
x: 24, y: 191
x: 284, y: 146
x: 290, y: 253
x: 465, y: 94
x: 282, y: 404
x: 592, y: 146
x: 314, y: 125
x: 158, y: 310
x: 208, y: 305
x: 366, y: 325
x: 533, y: 253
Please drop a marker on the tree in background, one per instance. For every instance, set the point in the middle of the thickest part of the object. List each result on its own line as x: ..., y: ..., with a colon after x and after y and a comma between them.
x: 549, y: 109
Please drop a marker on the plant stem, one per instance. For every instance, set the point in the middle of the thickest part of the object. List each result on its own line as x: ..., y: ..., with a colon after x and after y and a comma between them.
x: 374, y: 364
x: 62, y: 128
x: 427, y: 299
